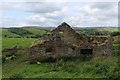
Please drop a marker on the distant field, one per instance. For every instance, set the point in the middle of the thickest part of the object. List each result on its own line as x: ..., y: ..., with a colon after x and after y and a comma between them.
x: 111, y: 29
x: 7, y: 33
x: 40, y: 31
x: 20, y: 42
x: 34, y: 30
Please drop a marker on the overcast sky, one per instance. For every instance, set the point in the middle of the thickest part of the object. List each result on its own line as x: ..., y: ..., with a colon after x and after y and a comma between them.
x: 52, y: 14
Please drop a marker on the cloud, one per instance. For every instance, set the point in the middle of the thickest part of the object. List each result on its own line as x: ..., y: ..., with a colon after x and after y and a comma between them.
x: 39, y: 20
x: 53, y: 14
x: 34, y: 7
x: 86, y: 15
x: 99, y: 14
x: 43, y: 7
x: 11, y: 21
x: 49, y: 19
x: 7, y: 6
x: 43, y: 13
x: 104, y: 5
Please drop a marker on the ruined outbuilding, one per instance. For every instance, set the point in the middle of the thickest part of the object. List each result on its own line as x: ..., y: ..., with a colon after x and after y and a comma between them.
x: 64, y: 41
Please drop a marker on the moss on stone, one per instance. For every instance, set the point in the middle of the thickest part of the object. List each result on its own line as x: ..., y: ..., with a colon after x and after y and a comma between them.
x: 37, y: 42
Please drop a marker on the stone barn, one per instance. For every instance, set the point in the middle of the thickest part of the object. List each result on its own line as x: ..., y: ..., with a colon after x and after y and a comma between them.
x: 64, y: 41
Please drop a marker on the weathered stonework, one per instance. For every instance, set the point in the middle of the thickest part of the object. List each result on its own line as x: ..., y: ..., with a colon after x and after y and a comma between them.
x: 64, y: 41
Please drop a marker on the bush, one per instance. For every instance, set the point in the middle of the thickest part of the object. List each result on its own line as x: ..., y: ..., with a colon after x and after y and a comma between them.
x: 85, y: 57
x: 74, y: 58
x: 8, y: 54
x: 101, y: 69
x: 3, y: 59
x: 49, y: 59
x: 70, y: 68
x: 64, y: 58
x: 17, y: 76
x: 114, y: 74
x: 116, y: 51
x: 13, y: 57
x: 32, y: 61
x: 115, y: 33
x: 20, y: 52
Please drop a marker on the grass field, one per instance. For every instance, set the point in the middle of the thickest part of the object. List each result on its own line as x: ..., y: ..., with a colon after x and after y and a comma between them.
x: 34, y: 30
x: 7, y: 33
x: 20, y: 42
x: 111, y: 29
x: 98, y: 67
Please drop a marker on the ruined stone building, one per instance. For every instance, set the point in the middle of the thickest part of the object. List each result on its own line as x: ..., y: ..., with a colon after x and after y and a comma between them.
x: 64, y: 41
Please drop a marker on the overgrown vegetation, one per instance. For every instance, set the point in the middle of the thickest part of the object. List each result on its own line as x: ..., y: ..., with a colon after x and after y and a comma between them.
x: 15, y: 66
x: 64, y: 58
x: 116, y: 50
x: 67, y: 67
x: 97, y: 67
x: 115, y: 33
x: 18, y: 76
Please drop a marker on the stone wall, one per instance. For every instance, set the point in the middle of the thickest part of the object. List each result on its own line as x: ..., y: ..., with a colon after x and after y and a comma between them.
x: 64, y: 41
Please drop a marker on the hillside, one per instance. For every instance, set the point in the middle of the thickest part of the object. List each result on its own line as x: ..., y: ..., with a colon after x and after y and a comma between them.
x: 16, y: 65
x: 36, y: 32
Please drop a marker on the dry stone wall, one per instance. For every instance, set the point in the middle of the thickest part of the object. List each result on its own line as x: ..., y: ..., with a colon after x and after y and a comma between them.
x: 64, y: 41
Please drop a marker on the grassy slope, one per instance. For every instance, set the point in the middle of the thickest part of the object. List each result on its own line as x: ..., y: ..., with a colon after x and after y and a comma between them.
x: 35, y: 30
x: 111, y: 29
x: 98, y: 67
x: 6, y: 32
x: 42, y: 30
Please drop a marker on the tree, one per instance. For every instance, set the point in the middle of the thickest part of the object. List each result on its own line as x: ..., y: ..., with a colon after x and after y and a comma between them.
x: 115, y: 33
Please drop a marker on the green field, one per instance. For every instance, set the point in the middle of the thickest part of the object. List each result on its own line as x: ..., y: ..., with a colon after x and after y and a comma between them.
x: 95, y: 67
x: 36, y: 31
x: 20, y: 42
x: 98, y: 67
x: 7, y: 33
x: 40, y: 31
